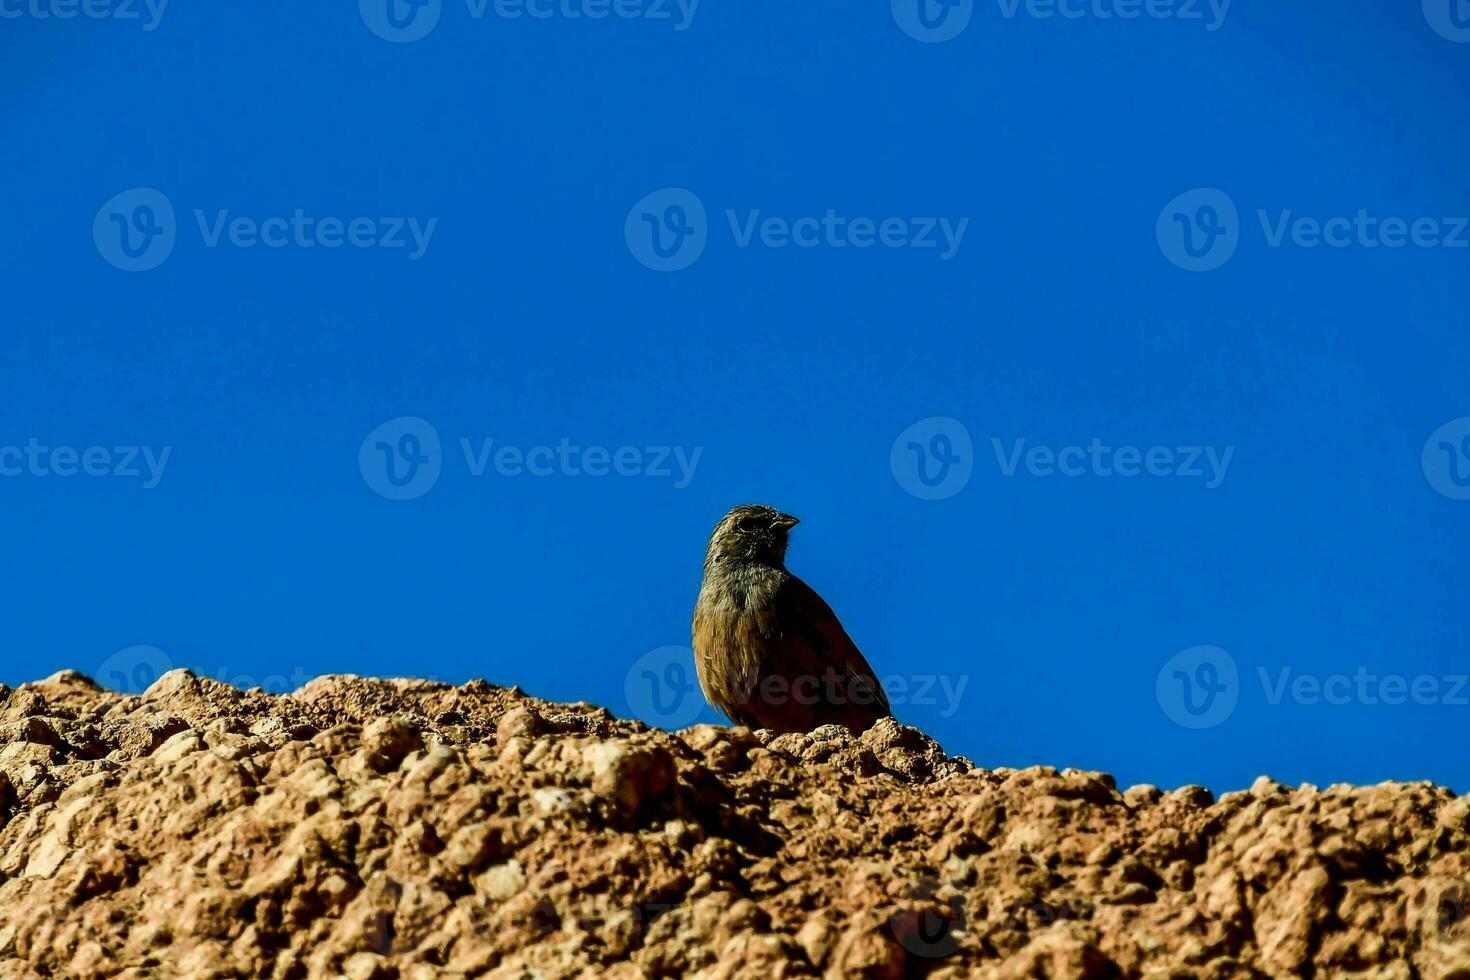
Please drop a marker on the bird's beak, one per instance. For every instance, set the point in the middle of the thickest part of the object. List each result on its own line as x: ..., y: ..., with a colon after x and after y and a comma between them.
x: 786, y: 522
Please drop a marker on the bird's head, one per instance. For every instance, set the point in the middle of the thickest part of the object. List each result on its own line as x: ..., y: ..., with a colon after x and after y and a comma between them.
x: 751, y: 533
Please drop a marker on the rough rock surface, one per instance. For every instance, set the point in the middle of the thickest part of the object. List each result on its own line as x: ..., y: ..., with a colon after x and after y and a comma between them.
x: 381, y: 829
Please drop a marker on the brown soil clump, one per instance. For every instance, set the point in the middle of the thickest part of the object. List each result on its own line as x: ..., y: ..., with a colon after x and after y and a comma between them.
x: 384, y: 829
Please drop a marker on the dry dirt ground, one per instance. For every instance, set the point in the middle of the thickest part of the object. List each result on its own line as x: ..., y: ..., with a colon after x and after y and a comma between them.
x: 380, y: 829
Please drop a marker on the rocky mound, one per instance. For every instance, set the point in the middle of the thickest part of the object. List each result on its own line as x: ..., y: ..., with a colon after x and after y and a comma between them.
x: 381, y: 829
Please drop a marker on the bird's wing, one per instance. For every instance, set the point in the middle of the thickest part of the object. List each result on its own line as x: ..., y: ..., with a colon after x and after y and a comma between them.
x: 815, y: 640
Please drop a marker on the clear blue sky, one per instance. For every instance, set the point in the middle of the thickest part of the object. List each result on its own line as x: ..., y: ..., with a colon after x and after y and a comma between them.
x: 529, y: 311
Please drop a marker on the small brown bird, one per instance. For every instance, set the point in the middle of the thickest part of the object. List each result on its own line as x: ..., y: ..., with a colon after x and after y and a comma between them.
x: 769, y: 652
